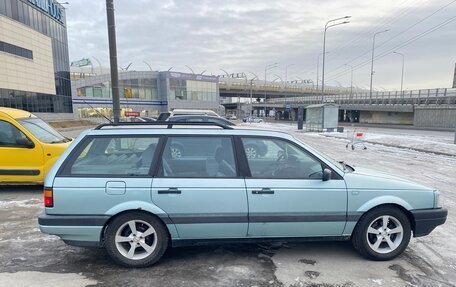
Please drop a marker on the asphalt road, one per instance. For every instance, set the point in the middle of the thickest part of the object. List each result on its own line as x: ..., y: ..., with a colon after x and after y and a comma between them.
x: 30, y: 258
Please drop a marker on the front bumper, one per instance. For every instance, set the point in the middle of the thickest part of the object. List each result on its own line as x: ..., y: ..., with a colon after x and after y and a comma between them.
x: 428, y: 219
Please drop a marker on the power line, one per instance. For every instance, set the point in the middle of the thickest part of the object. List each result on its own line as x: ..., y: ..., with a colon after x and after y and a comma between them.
x: 395, y: 36
x: 406, y: 43
x: 391, y: 20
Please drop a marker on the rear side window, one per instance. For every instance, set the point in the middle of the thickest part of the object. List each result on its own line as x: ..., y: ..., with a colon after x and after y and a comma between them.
x: 198, y: 157
x: 117, y: 156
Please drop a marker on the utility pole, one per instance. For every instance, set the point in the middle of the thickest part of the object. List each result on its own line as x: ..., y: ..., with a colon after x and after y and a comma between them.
x: 113, y: 60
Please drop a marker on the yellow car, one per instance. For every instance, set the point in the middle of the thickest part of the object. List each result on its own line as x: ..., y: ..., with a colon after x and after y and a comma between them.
x: 28, y: 147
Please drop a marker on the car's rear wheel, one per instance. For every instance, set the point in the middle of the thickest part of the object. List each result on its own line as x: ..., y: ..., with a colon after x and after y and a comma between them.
x: 382, y: 234
x: 136, y: 239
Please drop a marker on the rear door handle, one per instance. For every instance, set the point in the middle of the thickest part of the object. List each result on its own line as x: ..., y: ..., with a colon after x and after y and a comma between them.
x: 263, y: 191
x: 170, y: 191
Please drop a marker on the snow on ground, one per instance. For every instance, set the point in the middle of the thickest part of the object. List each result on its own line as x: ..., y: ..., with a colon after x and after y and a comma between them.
x: 439, y: 142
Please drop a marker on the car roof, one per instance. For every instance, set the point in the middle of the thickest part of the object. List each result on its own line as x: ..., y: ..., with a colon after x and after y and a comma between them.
x: 16, y: 113
x: 186, y: 130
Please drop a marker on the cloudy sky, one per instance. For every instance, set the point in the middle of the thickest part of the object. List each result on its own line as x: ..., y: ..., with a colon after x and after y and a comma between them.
x: 245, y: 36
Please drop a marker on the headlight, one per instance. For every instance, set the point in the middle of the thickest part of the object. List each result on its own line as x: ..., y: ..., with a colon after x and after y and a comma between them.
x: 437, y: 199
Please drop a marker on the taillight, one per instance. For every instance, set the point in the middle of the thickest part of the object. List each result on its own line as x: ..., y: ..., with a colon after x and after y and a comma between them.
x: 48, y: 197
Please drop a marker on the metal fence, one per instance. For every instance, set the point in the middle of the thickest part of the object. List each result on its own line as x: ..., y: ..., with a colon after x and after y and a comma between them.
x: 441, y: 96
x: 240, y: 84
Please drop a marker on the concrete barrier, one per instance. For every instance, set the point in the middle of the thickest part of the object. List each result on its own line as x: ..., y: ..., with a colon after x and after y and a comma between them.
x: 436, y: 117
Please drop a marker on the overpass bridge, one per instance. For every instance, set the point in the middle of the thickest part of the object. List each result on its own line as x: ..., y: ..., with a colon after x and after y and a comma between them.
x: 379, y: 101
x: 424, y: 108
x: 244, y: 88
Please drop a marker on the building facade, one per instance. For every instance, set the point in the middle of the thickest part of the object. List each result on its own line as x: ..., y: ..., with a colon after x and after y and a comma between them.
x: 34, y: 62
x: 147, y: 93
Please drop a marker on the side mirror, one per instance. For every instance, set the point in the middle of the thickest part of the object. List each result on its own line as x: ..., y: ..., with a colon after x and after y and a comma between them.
x: 326, y: 174
x: 24, y: 142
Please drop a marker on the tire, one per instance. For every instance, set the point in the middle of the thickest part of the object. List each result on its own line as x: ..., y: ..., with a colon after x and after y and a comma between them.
x: 372, y: 241
x: 141, y: 256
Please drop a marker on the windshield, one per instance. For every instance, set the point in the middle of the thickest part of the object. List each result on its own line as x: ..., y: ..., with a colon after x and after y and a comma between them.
x: 42, y: 131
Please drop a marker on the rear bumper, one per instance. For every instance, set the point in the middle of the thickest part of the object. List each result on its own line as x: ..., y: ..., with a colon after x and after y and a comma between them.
x: 428, y: 219
x: 74, y: 229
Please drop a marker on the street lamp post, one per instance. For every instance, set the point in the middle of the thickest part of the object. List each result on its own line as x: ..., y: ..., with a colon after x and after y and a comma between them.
x: 286, y: 73
x: 190, y: 69
x: 318, y: 66
x: 402, y: 73
x: 329, y: 24
x: 251, y: 91
x: 266, y: 68
x: 351, y: 80
x: 372, y: 63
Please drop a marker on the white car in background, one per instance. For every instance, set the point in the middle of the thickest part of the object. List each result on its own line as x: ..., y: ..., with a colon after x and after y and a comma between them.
x: 252, y: 119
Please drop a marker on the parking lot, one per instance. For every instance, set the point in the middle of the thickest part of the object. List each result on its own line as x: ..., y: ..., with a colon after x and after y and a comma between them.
x: 30, y: 258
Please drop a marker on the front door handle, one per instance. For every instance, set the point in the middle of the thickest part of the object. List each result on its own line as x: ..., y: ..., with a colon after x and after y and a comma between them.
x: 263, y: 191
x: 170, y: 191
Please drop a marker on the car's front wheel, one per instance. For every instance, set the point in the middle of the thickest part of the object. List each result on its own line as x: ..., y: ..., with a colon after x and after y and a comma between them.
x: 136, y: 239
x: 382, y: 234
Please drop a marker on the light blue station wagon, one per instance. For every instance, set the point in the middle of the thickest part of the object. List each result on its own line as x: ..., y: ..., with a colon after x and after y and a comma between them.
x: 138, y: 188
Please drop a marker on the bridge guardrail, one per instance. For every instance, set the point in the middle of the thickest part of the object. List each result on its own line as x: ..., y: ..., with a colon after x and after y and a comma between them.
x: 439, y: 96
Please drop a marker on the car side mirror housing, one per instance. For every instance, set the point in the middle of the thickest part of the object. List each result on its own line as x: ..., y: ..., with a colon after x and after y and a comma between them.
x: 326, y: 174
x: 25, y: 142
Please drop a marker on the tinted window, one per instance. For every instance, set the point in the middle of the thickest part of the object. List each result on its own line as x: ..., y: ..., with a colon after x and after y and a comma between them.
x: 198, y: 157
x: 275, y: 158
x: 9, y: 134
x: 128, y: 156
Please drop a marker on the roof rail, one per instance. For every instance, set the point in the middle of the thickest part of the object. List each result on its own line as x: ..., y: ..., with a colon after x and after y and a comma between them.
x: 168, y: 124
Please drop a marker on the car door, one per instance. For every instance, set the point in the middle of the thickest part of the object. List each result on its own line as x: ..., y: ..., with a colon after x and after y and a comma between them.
x: 286, y: 194
x: 21, y: 158
x: 201, y: 191
x: 109, y: 171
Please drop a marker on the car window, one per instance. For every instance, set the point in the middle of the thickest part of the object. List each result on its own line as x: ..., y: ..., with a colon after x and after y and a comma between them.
x: 126, y: 156
x: 276, y: 158
x: 198, y: 157
x: 9, y: 134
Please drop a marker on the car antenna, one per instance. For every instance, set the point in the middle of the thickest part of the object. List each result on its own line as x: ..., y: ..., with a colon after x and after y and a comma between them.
x: 100, y: 114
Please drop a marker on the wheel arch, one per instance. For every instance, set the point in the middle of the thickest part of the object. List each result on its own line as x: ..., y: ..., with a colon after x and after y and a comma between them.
x: 386, y: 204
x: 142, y: 207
